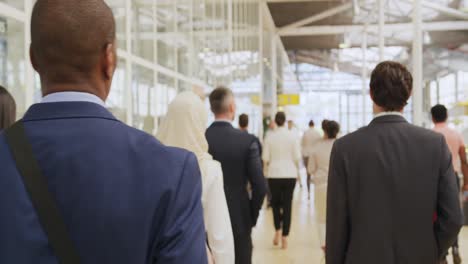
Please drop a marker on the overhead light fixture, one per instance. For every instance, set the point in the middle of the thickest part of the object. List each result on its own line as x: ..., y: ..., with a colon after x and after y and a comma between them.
x: 344, y: 45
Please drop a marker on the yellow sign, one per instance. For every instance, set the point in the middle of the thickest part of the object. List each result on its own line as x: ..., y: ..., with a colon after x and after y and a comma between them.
x: 289, y: 99
x: 255, y: 99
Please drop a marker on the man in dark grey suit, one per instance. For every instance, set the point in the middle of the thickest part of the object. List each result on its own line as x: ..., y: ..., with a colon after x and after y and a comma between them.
x: 239, y: 155
x: 392, y: 192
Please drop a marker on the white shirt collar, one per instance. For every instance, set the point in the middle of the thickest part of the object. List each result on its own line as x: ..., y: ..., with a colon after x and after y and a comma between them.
x: 72, y: 97
x: 223, y: 120
x: 388, y: 114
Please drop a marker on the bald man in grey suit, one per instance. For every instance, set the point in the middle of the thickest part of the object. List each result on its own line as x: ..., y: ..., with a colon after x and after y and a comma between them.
x: 392, y: 192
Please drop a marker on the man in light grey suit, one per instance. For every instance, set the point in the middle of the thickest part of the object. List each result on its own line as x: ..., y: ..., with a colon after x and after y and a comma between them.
x: 392, y: 192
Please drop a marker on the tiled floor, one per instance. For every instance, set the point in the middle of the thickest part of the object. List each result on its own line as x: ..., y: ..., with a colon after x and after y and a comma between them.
x: 303, y: 243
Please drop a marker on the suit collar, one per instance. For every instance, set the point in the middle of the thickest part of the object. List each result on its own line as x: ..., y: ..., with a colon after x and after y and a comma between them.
x: 221, y: 124
x: 389, y: 119
x: 67, y: 110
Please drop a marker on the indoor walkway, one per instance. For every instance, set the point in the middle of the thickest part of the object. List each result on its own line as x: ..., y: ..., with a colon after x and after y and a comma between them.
x: 303, y: 243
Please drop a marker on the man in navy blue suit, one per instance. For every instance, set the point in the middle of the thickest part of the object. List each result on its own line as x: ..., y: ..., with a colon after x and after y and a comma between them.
x: 124, y: 197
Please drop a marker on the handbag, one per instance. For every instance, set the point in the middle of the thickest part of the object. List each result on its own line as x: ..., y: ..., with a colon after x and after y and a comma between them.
x: 42, y: 200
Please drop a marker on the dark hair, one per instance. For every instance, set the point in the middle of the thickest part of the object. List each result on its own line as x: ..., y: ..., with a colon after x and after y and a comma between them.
x: 311, y: 123
x: 324, y: 123
x: 331, y: 128
x: 391, y: 85
x: 7, y: 109
x: 218, y: 100
x: 439, y: 113
x: 243, y: 121
x: 280, y: 118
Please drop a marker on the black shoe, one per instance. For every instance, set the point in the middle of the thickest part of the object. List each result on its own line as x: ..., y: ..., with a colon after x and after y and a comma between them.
x: 456, y: 256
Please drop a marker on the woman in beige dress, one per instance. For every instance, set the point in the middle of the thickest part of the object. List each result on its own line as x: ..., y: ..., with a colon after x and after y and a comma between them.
x: 319, y: 162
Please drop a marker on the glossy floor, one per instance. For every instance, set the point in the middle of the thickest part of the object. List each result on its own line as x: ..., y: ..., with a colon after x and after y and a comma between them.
x: 303, y: 243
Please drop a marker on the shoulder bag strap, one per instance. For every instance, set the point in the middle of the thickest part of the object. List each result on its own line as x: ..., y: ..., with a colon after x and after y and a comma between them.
x: 44, y: 203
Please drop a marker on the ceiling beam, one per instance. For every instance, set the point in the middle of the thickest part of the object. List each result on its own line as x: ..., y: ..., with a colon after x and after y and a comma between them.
x: 299, y: 1
x: 341, y: 29
x: 443, y: 9
x: 317, y: 17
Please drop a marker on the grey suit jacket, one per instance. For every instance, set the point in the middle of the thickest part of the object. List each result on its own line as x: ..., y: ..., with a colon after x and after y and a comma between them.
x: 386, y: 183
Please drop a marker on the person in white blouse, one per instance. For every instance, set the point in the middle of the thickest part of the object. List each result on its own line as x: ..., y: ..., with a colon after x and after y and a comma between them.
x: 282, y: 155
x: 319, y: 161
x: 184, y: 127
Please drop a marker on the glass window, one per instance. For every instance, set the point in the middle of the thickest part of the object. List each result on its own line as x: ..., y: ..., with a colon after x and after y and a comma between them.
x: 19, y: 4
x: 118, y: 8
x: 116, y: 100
x: 12, y: 61
x: 142, y: 98
x: 143, y: 30
x: 199, y: 43
x: 165, y: 83
x: 166, y: 33
x: 183, y: 37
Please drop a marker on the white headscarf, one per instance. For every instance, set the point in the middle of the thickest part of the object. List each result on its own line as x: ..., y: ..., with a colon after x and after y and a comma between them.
x: 184, y: 127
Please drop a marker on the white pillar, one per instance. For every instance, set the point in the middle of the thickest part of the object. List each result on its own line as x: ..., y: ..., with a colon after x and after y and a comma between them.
x: 364, y: 75
x: 381, y: 29
x: 340, y: 108
x: 128, y: 63
x: 348, y: 115
x: 230, y: 23
x: 29, y: 73
x: 417, y: 54
x: 274, y: 72
x: 457, y: 85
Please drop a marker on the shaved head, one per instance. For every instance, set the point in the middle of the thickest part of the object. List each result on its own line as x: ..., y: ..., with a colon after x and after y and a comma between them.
x: 71, y: 40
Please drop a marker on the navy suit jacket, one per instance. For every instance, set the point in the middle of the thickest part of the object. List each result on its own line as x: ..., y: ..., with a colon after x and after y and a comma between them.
x: 124, y: 197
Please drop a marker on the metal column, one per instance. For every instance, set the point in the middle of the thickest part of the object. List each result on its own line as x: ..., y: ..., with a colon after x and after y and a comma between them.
x: 417, y: 53
x: 30, y: 88
x: 457, y: 85
x: 128, y: 63
x: 340, y: 108
x: 274, y: 71
x: 348, y: 114
x: 364, y: 75
x: 381, y: 29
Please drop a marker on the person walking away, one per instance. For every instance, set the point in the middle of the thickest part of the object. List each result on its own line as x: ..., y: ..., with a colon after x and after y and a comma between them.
x: 244, y: 126
x: 184, y: 127
x: 319, y: 163
x: 457, y: 149
x: 115, y: 192
x: 309, y: 139
x: 386, y: 181
x: 282, y: 156
x: 239, y: 155
x: 7, y: 109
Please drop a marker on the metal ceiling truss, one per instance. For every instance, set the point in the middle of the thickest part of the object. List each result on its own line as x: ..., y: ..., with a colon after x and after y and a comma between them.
x: 342, y: 29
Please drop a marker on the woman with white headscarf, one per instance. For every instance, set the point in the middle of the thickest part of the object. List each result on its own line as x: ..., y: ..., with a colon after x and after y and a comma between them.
x: 184, y: 127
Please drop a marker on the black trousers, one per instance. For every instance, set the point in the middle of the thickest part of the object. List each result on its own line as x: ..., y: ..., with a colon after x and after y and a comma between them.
x: 243, y: 249
x: 282, y: 193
